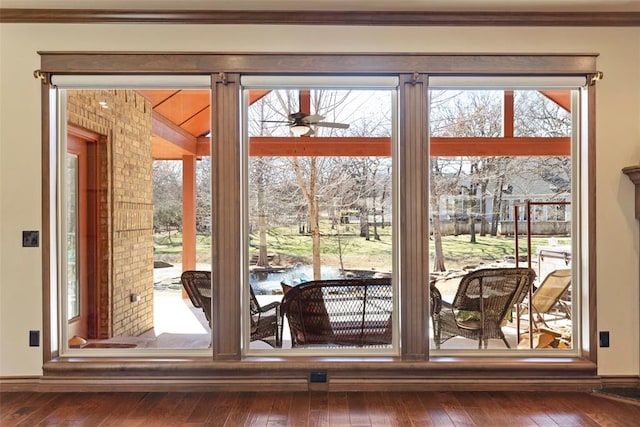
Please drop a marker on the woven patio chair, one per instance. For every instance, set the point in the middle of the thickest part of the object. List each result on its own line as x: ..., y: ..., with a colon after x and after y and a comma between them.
x: 198, y: 287
x: 546, y: 302
x: 340, y: 312
x: 484, y: 300
x: 264, y: 319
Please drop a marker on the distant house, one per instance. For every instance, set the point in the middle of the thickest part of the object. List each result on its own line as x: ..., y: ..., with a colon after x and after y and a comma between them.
x: 550, y: 209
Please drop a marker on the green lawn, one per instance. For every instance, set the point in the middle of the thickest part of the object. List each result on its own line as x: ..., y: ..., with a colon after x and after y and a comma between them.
x: 289, y: 241
x: 489, y: 247
x: 358, y: 252
x: 165, y: 244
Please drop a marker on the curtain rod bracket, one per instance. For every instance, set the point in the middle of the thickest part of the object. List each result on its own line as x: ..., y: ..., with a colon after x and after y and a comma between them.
x: 595, y: 77
x: 222, y: 78
x: 42, y: 76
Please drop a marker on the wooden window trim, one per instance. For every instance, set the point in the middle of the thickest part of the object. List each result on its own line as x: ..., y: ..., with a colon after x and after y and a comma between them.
x: 412, y: 68
x: 286, y: 17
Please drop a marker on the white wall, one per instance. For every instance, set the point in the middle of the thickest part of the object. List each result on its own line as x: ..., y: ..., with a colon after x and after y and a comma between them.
x: 618, y: 136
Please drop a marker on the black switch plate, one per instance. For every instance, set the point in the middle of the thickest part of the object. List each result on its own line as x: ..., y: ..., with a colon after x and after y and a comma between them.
x: 34, y: 338
x: 30, y: 239
x: 604, y: 338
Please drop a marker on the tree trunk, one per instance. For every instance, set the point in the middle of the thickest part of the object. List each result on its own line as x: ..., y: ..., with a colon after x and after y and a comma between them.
x: 438, y: 259
x: 483, y: 208
x: 375, y: 223
x: 314, y: 214
x: 364, y: 223
x: 472, y: 226
x: 263, y: 259
x: 315, y: 239
x: 497, y: 205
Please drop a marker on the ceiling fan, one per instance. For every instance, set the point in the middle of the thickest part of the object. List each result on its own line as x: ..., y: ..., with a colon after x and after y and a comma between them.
x: 300, y: 123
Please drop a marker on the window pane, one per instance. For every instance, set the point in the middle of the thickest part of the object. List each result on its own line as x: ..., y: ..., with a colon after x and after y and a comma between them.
x: 73, y: 286
x: 137, y: 190
x: 501, y: 170
x: 320, y: 209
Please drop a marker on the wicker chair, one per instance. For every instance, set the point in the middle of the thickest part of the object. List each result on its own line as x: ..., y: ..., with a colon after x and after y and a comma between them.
x: 264, y: 320
x: 198, y: 287
x: 484, y: 299
x: 341, y: 312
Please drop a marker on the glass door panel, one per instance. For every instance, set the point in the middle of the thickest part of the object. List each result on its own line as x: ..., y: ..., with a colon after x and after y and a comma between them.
x: 502, y: 197
x: 319, y: 200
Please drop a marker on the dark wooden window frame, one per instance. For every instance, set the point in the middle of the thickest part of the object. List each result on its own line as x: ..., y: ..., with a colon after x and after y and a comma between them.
x: 412, y: 70
x: 323, y: 17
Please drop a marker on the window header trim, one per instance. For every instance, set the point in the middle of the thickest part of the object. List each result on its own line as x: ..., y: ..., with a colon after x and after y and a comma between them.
x: 344, y: 64
x: 82, y: 81
x: 507, y: 82
x: 312, y: 82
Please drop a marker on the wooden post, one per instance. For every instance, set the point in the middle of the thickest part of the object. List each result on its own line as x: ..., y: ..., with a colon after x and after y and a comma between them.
x: 188, y: 214
x: 508, y: 115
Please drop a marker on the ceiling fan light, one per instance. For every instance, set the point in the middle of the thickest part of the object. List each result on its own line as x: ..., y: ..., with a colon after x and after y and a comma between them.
x: 299, y: 130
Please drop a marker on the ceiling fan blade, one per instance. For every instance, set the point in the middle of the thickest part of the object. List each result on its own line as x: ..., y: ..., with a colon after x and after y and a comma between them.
x: 332, y: 125
x: 276, y: 121
x: 299, y: 115
x: 312, y: 118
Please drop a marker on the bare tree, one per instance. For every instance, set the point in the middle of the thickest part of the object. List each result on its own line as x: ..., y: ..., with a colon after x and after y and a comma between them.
x: 167, y: 196
x: 203, y: 195
x: 487, y: 179
x: 323, y: 184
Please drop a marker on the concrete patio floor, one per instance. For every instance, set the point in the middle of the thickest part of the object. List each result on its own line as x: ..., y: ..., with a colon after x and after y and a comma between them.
x: 179, y: 325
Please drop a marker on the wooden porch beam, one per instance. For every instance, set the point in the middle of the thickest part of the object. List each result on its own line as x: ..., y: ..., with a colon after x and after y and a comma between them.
x: 514, y: 146
x: 257, y: 94
x: 381, y: 146
x: 319, y: 146
x: 560, y: 97
x: 170, y: 132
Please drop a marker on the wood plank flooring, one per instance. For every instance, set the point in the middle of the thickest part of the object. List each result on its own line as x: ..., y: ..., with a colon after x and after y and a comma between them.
x: 316, y: 409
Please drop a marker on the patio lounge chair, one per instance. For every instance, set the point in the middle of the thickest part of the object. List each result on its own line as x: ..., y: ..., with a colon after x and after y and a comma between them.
x: 547, y: 299
x: 264, y: 320
x: 483, y: 300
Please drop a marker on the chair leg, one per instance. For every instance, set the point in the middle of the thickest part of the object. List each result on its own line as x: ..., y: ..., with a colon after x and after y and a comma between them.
x: 436, y: 332
x: 278, y: 336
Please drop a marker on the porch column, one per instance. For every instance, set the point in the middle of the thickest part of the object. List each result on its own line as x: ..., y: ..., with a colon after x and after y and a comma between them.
x: 188, y: 214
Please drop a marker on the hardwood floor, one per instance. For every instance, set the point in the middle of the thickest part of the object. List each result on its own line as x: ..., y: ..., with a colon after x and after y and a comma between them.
x: 316, y: 408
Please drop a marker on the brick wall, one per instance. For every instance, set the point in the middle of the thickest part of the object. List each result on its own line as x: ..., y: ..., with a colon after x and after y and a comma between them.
x: 126, y: 205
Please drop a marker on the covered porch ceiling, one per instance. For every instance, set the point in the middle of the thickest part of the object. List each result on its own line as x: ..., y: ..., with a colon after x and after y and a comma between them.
x: 181, y: 127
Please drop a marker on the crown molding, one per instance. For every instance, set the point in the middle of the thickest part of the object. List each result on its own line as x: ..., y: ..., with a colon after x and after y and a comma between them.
x: 377, y: 18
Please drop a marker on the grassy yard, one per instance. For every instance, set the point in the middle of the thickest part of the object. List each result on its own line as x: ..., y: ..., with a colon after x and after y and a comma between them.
x: 360, y: 253
x: 171, y: 244
x: 458, y: 252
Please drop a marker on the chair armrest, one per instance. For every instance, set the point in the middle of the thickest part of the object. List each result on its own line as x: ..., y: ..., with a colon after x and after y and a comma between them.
x: 270, y: 306
x: 446, y: 304
x: 435, y: 299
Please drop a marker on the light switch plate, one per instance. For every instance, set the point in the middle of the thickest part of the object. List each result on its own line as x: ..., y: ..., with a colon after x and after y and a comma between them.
x: 34, y: 338
x: 30, y: 239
